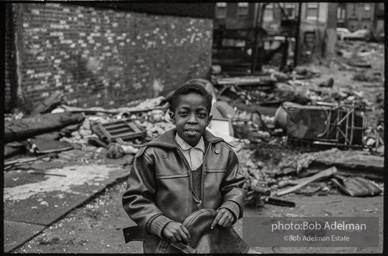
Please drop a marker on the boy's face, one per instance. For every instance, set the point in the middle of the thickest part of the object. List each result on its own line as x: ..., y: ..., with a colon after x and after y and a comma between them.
x: 191, y: 117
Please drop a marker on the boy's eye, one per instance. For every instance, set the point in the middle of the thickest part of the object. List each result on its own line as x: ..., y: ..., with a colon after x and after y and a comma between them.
x: 202, y: 115
x: 183, y: 113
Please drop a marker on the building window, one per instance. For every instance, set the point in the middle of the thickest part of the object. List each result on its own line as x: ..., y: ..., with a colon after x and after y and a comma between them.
x: 221, y: 10
x: 341, y: 14
x: 367, y: 11
x: 353, y: 11
x: 289, y: 9
x: 268, y: 12
x: 312, y: 11
x: 242, y: 11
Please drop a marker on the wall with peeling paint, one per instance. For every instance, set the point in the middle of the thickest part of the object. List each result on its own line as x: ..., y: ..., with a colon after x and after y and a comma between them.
x: 102, y: 57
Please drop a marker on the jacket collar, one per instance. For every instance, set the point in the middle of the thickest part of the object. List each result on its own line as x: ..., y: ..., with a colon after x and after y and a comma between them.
x: 167, y: 139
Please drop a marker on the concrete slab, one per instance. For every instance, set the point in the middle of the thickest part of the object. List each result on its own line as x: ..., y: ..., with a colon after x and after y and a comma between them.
x: 17, y: 233
x: 30, y: 198
x: 44, y: 208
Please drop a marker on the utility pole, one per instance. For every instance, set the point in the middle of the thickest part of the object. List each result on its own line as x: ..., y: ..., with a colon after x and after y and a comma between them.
x: 257, y: 34
x: 296, y: 52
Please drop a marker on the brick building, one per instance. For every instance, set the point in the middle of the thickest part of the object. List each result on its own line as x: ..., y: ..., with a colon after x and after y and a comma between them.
x: 379, y: 20
x: 103, y: 54
x: 355, y: 16
x: 317, y: 30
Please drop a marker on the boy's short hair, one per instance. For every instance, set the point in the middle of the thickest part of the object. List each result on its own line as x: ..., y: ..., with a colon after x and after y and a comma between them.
x: 191, y: 87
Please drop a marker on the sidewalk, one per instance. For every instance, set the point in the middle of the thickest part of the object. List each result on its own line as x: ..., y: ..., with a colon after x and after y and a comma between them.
x: 34, y: 198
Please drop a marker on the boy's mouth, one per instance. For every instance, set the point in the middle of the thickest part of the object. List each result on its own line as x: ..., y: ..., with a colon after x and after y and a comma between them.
x: 192, y: 131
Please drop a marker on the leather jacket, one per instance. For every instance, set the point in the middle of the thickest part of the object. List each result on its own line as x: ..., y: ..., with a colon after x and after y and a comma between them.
x: 160, y: 183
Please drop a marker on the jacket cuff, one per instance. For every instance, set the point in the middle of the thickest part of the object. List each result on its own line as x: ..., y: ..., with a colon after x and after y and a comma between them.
x: 156, y: 224
x: 233, y: 207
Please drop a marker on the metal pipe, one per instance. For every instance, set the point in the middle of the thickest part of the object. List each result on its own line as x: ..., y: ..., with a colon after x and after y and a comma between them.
x: 296, y: 52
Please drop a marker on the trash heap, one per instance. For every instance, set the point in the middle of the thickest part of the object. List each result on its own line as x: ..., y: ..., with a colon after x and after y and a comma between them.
x: 113, y: 133
x: 311, y: 109
x: 274, y: 121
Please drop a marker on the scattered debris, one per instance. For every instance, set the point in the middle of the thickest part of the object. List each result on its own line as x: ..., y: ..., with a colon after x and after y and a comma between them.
x: 13, y: 163
x: 305, y: 73
x: 325, y: 124
x: 355, y: 186
x: 44, y: 146
x: 279, y: 202
x: 119, y: 131
x: 31, y: 126
x: 328, y: 84
x: 324, y: 174
x: 359, y: 64
x: 368, y: 76
x: 49, y: 103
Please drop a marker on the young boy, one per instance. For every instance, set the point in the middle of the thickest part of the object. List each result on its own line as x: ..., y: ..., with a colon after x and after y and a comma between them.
x: 181, y: 171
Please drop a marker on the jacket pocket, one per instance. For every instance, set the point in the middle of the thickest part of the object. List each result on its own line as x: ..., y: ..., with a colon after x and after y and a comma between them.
x: 174, y: 196
x: 212, y: 187
x: 174, y: 176
x: 215, y: 170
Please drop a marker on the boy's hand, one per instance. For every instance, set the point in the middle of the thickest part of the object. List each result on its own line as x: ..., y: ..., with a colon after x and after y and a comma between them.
x: 176, y: 232
x: 224, y: 218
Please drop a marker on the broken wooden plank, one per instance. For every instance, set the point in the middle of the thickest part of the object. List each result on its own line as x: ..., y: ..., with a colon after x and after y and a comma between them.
x: 48, y: 103
x: 17, y: 130
x: 324, y: 174
x: 127, y: 130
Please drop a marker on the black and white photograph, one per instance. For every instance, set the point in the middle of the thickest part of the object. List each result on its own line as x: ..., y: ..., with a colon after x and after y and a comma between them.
x: 193, y: 127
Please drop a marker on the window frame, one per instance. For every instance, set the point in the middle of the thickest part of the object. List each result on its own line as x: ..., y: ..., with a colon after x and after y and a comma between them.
x: 292, y: 6
x: 268, y: 14
x: 242, y: 10
x: 364, y: 11
x: 308, y: 7
x: 221, y: 8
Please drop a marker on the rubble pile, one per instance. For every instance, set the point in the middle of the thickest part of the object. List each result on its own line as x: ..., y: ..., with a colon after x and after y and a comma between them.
x: 361, y: 89
x: 31, y: 138
x: 259, y: 130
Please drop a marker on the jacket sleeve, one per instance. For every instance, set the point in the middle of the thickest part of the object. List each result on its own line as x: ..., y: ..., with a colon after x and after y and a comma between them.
x: 232, y: 185
x: 138, y: 199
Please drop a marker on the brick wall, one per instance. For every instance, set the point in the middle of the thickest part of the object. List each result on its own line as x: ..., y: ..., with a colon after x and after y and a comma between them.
x: 101, y: 57
x: 10, y: 64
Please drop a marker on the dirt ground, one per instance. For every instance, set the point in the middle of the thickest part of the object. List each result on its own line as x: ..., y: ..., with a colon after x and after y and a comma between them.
x: 96, y: 227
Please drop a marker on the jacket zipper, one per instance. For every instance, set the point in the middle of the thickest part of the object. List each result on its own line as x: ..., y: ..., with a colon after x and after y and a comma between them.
x: 196, y: 199
x: 202, y: 172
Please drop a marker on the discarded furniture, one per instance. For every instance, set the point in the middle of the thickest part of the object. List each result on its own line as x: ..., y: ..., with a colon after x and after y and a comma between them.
x: 325, y: 124
x: 119, y: 131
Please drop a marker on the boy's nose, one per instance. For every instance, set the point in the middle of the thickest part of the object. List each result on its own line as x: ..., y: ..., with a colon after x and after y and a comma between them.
x: 192, y: 119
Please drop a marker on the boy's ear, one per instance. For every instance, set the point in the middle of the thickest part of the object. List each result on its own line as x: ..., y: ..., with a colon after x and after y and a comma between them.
x: 172, y: 116
x: 209, y: 120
